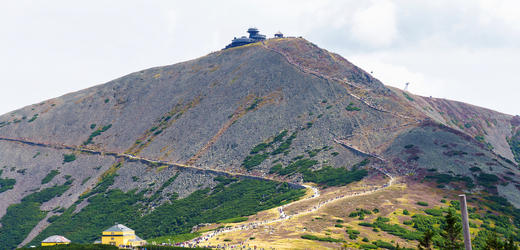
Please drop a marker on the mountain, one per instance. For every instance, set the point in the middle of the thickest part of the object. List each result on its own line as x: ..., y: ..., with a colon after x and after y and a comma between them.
x: 224, y: 132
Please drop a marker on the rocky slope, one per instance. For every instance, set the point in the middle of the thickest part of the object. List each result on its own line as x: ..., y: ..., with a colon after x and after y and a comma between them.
x: 212, y: 111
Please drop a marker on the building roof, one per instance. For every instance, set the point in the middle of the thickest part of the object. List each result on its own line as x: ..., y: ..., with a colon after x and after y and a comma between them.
x: 136, y: 239
x: 56, y: 239
x: 278, y: 33
x: 118, y: 228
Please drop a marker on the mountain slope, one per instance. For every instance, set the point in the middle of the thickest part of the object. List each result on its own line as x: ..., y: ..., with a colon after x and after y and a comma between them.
x: 269, y: 110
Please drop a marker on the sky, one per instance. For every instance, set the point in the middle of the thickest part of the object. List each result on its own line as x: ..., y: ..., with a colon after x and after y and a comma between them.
x: 467, y: 51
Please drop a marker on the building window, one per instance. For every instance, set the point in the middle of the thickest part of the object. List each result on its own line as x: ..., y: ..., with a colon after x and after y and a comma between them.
x: 112, y: 232
x: 112, y: 238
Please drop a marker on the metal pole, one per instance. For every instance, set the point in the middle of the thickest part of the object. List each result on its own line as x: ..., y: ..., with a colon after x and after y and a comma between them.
x: 465, y: 222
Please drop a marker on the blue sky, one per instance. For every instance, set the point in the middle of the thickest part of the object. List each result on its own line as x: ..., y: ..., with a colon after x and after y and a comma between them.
x: 467, y: 51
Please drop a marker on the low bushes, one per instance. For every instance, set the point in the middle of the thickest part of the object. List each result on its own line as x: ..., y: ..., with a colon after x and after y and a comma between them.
x: 69, y: 158
x: 422, y: 203
x: 326, y: 239
x: 50, y: 176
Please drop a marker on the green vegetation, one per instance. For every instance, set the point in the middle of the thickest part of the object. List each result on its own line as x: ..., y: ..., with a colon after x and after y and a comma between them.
x: 234, y: 220
x: 408, y: 97
x: 284, y: 145
x: 6, y: 184
x: 422, y: 203
x: 107, y: 100
x: 36, y: 155
x: 253, y: 161
x: 229, y: 199
x: 405, y: 212
x: 93, y: 126
x: 21, y: 218
x: 69, y: 158
x: 475, y: 169
x: 326, y: 239
x: 514, y: 144
x: 446, y: 179
x: 255, y: 103
x: 334, y: 154
x: 96, y: 133
x: 350, y: 107
x: 468, y: 125
x: 50, y: 176
x: 33, y: 118
x: 434, y: 212
x: 85, y: 180
x: 175, y: 238
x: 487, y: 180
x: 409, y: 146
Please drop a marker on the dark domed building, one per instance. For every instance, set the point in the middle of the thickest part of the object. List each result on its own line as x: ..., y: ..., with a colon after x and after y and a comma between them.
x: 254, y: 36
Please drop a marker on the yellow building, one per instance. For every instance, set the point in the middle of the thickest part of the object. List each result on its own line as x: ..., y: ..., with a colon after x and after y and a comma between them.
x: 55, y: 240
x: 120, y: 235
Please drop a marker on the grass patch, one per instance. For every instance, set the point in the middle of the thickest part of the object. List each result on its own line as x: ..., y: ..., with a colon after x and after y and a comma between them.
x: 408, y: 97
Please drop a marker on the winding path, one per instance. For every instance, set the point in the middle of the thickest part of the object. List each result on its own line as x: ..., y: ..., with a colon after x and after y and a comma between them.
x: 199, y: 241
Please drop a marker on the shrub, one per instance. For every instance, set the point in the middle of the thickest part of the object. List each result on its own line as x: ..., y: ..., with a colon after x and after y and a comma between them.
x: 368, y: 246
x: 366, y: 224
x: 433, y: 212
x: 6, y: 184
x: 382, y: 219
x: 69, y: 158
x: 338, y: 225
x: 234, y: 220
x: 253, y: 161
x: 309, y: 237
x: 409, y: 146
x: 408, y: 222
x: 93, y: 126
x: 365, y: 239
x: 334, y: 154
x: 383, y: 244
x: 350, y: 107
x: 422, y: 203
x: 107, y: 100
x: 252, y: 238
x: 405, y: 212
x: 353, y: 231
x: 53, y: 218
x: 475, y: 169
x: 258, y: 148
x: 339, y: 221
x: 50, y: 176
x: 85, y: 180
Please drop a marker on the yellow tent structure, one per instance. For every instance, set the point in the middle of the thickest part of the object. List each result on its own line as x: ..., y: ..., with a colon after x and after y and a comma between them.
x: 55, y: 240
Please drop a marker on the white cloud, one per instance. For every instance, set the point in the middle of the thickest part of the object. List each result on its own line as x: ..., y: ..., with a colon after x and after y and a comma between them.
x: 398, y: 75
x: 376, y: 25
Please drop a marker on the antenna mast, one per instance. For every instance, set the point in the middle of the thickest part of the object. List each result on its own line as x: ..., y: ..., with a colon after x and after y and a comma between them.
x: 406, y: 88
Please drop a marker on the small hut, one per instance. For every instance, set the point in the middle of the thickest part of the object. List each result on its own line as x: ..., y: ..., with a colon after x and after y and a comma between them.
x: 55, y: 240
x: 278, y: 34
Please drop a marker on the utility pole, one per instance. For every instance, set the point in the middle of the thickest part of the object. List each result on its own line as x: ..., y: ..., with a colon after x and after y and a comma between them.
x: 465, y: 223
